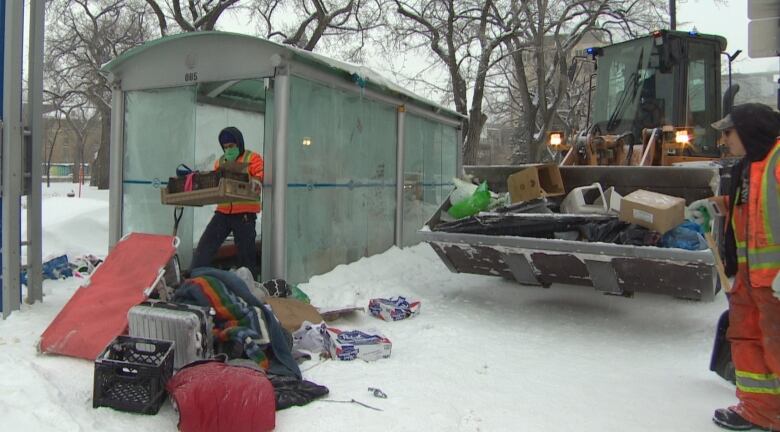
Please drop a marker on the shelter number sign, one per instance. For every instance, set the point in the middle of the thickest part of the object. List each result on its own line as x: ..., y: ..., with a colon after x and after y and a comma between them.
x: 191, y: 60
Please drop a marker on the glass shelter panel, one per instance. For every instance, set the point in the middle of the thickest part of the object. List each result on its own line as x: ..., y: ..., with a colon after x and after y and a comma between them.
x: 159, y: 132
x: 238, y: 103
x: 341, y: 154
x: 168, y: 127
x: 430, y: 163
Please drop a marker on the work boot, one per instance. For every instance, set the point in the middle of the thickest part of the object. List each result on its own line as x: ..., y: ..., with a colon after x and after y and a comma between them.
x: 729, y: 419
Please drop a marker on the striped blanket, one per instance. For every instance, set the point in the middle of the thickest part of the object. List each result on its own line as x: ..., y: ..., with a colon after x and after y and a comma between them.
x: 235, y: 320
x: 241, y: 317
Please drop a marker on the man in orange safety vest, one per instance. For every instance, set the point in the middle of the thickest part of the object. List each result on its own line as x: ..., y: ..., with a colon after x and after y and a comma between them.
x: 753, y: 250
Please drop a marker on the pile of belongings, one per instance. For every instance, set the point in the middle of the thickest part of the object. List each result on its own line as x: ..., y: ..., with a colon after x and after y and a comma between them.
x: 60, y: 267
x: 246, y: 329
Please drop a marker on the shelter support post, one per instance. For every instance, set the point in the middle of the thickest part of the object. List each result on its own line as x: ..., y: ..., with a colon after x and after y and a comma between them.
x: 279, y: 180
x: 399, y: 175
x: 116, y: 173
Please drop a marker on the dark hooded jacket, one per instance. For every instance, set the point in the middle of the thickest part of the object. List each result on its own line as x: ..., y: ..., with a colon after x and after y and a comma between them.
x: 232, y: 134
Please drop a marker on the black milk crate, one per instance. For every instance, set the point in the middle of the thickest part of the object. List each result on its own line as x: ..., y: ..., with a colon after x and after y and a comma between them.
x: 131, y: 373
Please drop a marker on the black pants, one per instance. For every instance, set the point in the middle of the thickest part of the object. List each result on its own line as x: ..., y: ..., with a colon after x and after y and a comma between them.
x: 242, y: 225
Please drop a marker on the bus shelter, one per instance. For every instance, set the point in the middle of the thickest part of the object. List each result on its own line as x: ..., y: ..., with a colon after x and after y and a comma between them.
x: 354, y: 163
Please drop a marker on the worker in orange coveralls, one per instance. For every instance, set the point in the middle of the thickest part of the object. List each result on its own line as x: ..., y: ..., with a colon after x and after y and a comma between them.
x: 753, y: 250
x: 238, y: 217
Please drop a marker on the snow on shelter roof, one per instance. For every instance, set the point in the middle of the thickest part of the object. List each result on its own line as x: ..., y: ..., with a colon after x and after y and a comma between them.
x: 214, y: 55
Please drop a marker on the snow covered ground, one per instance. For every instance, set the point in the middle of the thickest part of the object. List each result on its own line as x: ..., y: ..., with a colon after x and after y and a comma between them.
x: 483, y: 355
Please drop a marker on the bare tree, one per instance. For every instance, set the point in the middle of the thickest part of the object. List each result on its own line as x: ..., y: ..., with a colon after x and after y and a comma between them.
x: 80, y: 119
x: 307, y: 23
x: 465, y: 38
x: 541, y: 79
x: 82, y: 35
x: 196, y: 15
x: 51, y: 141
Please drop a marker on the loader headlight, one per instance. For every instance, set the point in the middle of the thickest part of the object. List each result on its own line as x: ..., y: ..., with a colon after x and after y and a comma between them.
x: 683, y: 136
x: 555, y: 139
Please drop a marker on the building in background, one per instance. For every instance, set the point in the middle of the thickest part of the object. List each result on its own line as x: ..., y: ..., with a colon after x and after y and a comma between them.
x: 68, y: 145
x: 758, y: 87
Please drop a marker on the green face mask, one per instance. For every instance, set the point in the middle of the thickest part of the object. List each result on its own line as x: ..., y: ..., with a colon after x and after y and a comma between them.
x: 231, y: 154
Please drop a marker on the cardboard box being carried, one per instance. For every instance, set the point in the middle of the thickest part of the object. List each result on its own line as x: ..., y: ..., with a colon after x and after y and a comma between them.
x: 652, y: 210
x: 535, y: 182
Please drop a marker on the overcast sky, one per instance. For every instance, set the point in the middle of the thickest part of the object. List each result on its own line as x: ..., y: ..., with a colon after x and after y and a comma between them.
x: 730, y: 21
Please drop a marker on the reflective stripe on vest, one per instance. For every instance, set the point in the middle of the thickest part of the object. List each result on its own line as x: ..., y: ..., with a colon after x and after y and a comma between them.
x: 771, y: 195
x: 757, y: 223
x: 758, y: 383
x: 243, y: 206
x: 742, y: 252
x: 764, y: 257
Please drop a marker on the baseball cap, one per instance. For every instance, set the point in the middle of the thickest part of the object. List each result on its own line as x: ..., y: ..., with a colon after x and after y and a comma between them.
x: 724, y: 123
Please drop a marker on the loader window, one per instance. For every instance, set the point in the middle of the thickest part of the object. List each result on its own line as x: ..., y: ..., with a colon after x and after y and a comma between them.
x: 627, y: 80
x: 632, y: 92
x: 702, y: 104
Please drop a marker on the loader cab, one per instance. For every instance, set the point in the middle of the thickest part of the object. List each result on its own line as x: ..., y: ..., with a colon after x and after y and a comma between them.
x: 668, y: 78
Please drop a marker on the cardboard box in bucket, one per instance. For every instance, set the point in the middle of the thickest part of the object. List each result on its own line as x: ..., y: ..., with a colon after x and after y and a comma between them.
x: 535, y: 182
x: 652, y: 210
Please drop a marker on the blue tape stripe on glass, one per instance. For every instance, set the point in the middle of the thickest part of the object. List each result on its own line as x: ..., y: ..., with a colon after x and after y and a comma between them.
x: 338, y: 185
x: 158, y: 182
x: 155, y: 181
x: 352, y: 185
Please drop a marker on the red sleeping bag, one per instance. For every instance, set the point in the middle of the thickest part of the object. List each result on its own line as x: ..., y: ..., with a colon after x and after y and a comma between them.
x: 216, y: 397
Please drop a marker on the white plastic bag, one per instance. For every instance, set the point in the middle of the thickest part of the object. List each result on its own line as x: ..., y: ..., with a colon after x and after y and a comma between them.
x: 309, y: 337
x: 254, y: 287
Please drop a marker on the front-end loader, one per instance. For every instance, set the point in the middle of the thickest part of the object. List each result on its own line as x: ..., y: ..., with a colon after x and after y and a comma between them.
x: 654, y: 101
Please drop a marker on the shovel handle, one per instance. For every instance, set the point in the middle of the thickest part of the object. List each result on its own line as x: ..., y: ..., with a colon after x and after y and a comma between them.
x: 724, y: 280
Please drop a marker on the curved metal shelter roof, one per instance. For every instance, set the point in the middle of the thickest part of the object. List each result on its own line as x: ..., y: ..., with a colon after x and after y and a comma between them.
x: 187, y: 58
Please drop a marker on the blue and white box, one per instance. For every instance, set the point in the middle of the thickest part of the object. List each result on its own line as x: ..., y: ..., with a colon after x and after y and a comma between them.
x: 394, y: 308
x: 356, y: 344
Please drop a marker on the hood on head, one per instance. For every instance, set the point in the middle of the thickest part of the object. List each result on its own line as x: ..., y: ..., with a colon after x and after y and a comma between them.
x: 232, y: 134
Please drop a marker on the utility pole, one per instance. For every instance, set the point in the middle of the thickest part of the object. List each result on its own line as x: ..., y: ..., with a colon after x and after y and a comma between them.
x: 15, y: 158
x: 672, y: 15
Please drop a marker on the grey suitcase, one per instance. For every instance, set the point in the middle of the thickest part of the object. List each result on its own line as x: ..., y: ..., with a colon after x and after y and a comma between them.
x: 188, y: 326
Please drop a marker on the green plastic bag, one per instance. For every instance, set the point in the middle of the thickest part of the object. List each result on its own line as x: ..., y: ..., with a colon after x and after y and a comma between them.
x: 299, y: 295
x: 477, y: 202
